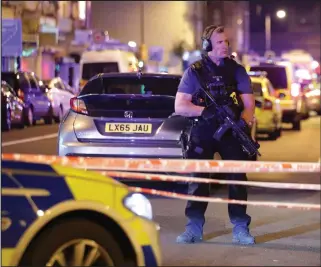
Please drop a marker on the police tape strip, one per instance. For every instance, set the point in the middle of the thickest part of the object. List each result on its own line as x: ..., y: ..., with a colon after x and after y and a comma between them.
x: 286, y: 205
x: 171, y: 165
x: 198, y: 166
x: 174, y: 178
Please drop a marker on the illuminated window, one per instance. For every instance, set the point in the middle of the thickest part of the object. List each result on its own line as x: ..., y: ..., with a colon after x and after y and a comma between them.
x: 61, y: 5
x: 82, y: 10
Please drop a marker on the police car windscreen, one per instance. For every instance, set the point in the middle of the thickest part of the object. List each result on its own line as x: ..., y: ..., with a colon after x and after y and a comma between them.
x: 89, y: 70
x: 276, y: 75
x: 165, y: 86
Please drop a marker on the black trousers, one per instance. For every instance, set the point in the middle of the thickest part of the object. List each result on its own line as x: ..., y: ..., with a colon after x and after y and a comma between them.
x: 203, y: 146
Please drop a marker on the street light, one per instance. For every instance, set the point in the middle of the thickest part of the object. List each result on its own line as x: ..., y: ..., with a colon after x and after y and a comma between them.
x: 280, y: 14
x: 132, y: 44
x: 143, y: 48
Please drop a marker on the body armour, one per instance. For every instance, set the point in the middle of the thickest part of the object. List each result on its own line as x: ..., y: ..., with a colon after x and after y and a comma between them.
x: 221, y: 83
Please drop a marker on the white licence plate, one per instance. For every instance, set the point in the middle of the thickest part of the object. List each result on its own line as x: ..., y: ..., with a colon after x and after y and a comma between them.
x: 143, y: 128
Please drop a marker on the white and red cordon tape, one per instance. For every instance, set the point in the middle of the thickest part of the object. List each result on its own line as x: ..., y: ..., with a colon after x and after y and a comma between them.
x: 171, y: 165
x: 115, y: 167
x: 187, y: 179
x: 173, y: 178
x: 286, y: 205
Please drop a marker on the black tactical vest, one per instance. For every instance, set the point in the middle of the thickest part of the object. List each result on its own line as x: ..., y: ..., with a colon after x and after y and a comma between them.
x: 208, y: 71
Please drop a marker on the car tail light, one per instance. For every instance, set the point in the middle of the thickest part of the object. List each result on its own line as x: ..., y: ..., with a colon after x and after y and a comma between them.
x: 21, y: 94
x: 295, y: 89
x: 78, y: 105
x: 267, y: 104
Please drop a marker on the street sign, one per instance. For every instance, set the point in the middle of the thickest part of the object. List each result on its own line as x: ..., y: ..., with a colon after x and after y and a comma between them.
x: 11, y: 42
x: 155, y: 53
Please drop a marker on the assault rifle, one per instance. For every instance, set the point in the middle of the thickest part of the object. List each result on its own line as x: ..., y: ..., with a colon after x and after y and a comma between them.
x: 240, y: 129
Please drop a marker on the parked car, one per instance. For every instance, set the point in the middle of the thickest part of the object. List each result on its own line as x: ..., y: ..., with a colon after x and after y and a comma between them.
x: 292, y: 101
x: 60, y: 216
x: 11, y: 108
x: 124, y: 115
x: 268, y: 110
x: 30, y: 90
x: 312, y: 93
x: 59, y: 92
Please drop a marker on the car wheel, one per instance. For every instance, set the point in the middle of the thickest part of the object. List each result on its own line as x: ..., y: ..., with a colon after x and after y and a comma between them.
x: 274, y: 135
x: 29, y: 117
x: 296, y: 125
x: 58, y: 118
x: 305, y: 111
x: 22, y: 123
x: 75, y: 242
x: 7, y: 123
x: 49, y: 117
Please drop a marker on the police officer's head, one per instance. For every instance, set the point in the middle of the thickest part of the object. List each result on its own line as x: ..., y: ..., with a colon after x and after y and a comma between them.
x: 215, y: 42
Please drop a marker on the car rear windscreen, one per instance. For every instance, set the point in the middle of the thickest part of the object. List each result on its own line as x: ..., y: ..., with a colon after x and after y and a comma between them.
x: 133, y: 85
x: 276, y: 75
x: 89, y: 70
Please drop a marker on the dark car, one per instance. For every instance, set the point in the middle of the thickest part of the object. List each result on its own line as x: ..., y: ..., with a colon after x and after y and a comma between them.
x: 11, y: 108
x: 30, y: 90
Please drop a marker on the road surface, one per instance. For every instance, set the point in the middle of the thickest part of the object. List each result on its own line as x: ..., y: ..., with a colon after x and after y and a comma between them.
x: 284, y: 236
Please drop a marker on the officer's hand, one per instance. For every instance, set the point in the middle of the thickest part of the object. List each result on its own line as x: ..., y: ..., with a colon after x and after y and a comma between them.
x: 208, y: 112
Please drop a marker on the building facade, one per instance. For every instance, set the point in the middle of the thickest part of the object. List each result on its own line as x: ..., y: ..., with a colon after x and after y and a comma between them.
x: 164, y: 24
x: 234, y: 16
x: 47, y: 32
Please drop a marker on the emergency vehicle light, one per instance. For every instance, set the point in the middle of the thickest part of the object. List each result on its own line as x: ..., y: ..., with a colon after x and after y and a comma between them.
x: 257, y: 73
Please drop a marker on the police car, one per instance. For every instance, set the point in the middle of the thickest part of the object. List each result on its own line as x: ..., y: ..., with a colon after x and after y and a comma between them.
x: 292, y: 100
x: 60, y: 216
x: 268, y: 111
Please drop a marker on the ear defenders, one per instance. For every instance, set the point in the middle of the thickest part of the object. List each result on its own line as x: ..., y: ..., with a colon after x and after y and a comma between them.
x: 206, y: 38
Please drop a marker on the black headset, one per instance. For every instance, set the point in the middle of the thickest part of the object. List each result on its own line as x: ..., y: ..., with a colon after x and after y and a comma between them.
x: 206, y: 38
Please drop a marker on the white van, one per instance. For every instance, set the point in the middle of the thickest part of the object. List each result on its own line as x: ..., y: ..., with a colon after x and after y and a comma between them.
x: 104, y: 61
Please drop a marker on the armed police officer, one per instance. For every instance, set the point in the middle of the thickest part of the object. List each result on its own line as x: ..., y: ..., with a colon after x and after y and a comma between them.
x: 230, y: 85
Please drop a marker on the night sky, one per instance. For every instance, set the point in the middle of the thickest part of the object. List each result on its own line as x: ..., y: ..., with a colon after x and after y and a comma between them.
x: 257, y: 14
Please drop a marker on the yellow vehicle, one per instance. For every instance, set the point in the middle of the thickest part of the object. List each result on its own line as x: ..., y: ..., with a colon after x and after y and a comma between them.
x: 269, y: 112
x: 59, y: 216
x: 288, y: 92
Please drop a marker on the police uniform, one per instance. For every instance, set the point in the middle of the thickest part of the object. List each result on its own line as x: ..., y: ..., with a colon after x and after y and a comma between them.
x: 203, y: 146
